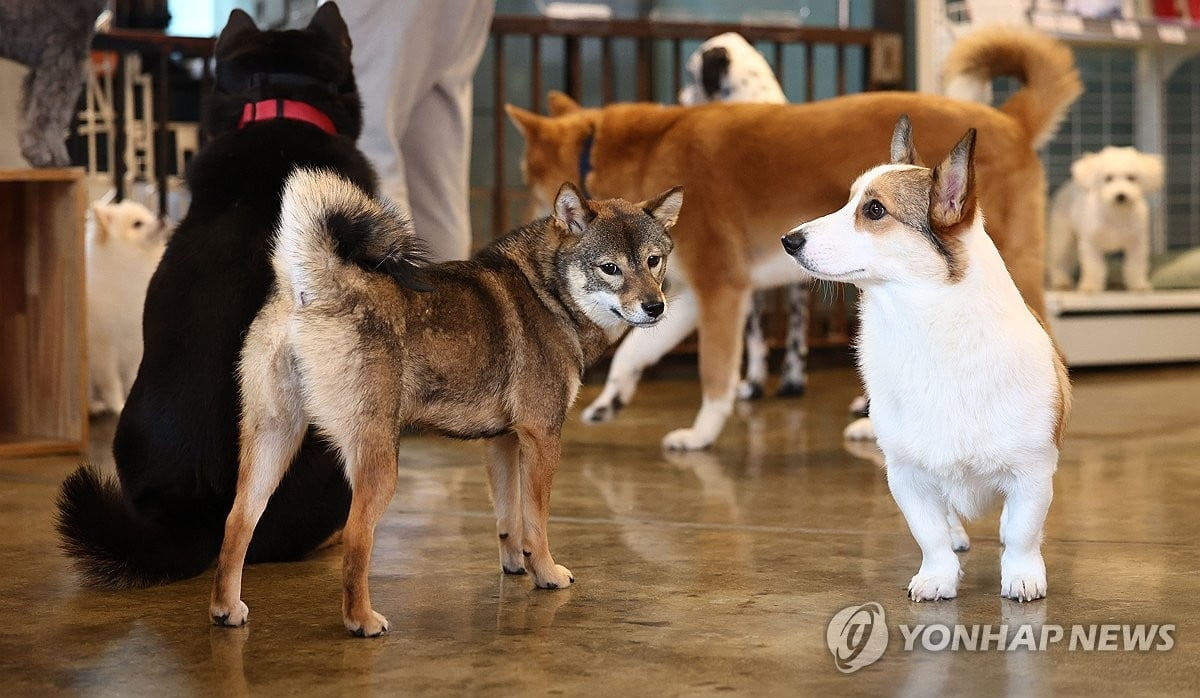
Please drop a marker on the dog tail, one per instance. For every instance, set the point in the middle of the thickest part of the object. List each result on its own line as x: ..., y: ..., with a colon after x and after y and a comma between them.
x: 1044, y: 66
x: 112, y: 546
x: 325, y: 219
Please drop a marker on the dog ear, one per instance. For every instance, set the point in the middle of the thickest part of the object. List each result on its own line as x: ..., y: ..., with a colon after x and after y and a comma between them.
x: 1083, y: 170
x: 903, y: 150
x: 561, y: 104
x: 328, y: 21
x: 1152, y: 173
x: 526, y: 121
x: 664, y: 208
x: 952, y: 194
x: 102, y: 214
x: 239, y: 24
x: 571, y: 210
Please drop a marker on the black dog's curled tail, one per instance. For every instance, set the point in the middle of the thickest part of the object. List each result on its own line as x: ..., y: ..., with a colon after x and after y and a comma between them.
x: 113, y: 547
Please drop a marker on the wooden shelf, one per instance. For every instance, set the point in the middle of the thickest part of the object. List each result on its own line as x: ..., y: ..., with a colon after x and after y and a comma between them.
x: 43, y: 338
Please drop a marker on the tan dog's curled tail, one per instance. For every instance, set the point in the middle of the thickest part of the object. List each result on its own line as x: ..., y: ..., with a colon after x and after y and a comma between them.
x: 1045, y: 66
x: 325, y: 221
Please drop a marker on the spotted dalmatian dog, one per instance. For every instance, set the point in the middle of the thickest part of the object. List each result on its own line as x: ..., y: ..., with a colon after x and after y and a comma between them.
x: 727, y: 68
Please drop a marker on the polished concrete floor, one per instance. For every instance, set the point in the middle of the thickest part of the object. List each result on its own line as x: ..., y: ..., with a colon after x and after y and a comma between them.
x: 697, y: 574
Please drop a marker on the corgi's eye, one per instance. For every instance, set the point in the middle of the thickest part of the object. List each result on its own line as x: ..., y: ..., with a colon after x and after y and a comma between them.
x: 610, y: 269
x: 653, y: 260
x: 874, y: 210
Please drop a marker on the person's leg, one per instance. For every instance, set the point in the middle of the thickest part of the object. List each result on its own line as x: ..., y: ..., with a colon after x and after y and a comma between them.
x: 436, y: 145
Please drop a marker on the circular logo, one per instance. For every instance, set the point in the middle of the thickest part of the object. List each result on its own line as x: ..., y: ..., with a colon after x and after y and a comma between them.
x: 857, y: 637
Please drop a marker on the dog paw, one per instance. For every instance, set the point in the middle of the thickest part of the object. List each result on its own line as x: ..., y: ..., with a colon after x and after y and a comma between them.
x: 1140, y: 288
x: 602, y: 410
x: 685, y: 440
x: 933, y: 587
x: 749, y: 390
x: 559, y: 577
x: 960, y: 541
x: 791, y: 389
x: 372, y: 626
x: 1090, y: 286
x: 860, y: 429
x: 1023, y: 587
x: 231, y: 616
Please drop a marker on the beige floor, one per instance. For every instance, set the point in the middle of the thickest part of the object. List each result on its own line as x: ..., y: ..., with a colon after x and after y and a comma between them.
x: 702, y: 573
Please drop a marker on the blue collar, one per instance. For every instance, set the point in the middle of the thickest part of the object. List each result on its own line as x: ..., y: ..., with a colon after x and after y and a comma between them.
x: 585, y: 163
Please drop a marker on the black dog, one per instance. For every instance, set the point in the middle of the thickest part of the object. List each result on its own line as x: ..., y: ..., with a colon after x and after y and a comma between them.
x: 176, y: 444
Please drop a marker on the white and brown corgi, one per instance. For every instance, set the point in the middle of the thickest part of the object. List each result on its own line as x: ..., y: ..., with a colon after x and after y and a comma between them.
x: 968, y: 393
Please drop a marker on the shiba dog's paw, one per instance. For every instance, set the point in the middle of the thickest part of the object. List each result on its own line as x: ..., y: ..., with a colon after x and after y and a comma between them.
x: 686, y: 440
x: 860, y: 429
x: 602, y: 410
x: 749, y: 390
x: 933, y: 587
x: 558, y: 578
x: 1024, y: 580
x: 373, y: 626
x: 232, y: 617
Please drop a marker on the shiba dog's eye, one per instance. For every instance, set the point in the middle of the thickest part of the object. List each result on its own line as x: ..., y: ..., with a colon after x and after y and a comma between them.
x: 653, y: 260
x: 610, y: 269
x: 874, y: 210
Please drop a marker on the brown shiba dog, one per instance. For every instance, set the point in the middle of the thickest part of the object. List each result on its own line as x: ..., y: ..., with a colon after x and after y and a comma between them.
x: 491, y: 348
x: 756, y: 169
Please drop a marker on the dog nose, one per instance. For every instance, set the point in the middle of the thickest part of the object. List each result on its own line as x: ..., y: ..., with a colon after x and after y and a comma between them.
x: 793, y: 241
x: 1122, y: 198
x: 654, y: 309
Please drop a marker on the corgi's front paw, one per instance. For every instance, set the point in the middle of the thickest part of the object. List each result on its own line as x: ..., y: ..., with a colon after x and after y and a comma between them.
x: 1023, y: 580
x: 373, y: 625
x: 229, y: 615
x: 557, y: 577
x: 933, y: 587
x: 686, y: 440
x: 860, y: 429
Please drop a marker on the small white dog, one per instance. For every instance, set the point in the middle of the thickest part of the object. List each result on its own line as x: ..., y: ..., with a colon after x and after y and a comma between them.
x: 968, y: 394
x: 727, y: 68
x: 1103, y: 209
x: 124, y: 243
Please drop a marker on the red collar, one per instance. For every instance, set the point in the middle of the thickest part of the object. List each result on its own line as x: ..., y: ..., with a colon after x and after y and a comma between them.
x: 269, y: 109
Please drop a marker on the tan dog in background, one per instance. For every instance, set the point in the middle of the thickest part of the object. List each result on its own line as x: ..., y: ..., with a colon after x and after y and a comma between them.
x: 491, y: 348
x: 757, y: 169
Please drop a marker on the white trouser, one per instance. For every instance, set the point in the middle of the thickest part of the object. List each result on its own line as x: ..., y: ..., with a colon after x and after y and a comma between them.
x: 414, y: 61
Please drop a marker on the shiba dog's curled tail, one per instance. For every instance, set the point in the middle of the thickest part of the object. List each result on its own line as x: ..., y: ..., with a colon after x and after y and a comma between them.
x: 326, y: 220
x: 1045, y: 66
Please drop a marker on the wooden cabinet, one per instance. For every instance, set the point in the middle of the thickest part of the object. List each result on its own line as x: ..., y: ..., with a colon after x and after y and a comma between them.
x: 43, y: 312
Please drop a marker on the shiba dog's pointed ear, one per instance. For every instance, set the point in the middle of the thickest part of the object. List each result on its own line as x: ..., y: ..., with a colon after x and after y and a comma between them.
x: 664, y: 208
x: 561, y: 104
x: 526, y: 121
x: 571, y: 210
x: 328, y: 21
x: 903, y: 150
x: 238, y: 25
x: 952, y: 196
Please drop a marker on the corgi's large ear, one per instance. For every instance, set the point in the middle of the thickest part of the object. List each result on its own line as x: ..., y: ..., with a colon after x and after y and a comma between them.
x: 952, y: 194
x: 1152, y: 173
x: 328, y: 21
x: 526, y: 121
x: 561, y: 104
x: 102, y: 214
x: 571, y: 210
x: 664, y: 208
x: 1083, y: 170
x: 239, y: 24
x: 903, y: 150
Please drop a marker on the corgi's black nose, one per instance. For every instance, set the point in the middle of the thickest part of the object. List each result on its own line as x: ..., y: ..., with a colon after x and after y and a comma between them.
x: 793, y: 241
x: 654, y: 309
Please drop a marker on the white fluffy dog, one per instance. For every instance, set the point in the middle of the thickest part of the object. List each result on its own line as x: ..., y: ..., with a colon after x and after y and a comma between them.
x: 726, y: 68
x: 1103, y: 209
x: 968, y: 394
x: 124, y: 243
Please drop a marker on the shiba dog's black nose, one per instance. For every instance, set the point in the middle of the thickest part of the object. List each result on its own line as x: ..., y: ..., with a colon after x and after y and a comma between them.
x: 793, y: 241
x: 654, y: 309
